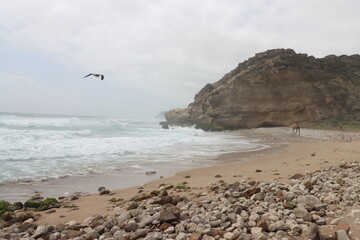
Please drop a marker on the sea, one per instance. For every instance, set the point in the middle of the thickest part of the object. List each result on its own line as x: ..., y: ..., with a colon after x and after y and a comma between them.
x: 42, y: 147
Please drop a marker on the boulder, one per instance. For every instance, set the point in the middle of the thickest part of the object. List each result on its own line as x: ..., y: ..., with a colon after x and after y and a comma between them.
x: 42, y: 231
x: 171, y: 214
x: 196, y: 236
x: 91, y: 234
x: 251, y: 191
x: 341, y: 235
x: 131, y: 226
x: 139, y: 234
x: 297, y: 176
x: 308, y: 201
x: 133, y: 205
x: 312, y: 232
x: 303, y: 214
x: 327, y: 232
x: 343, y: 226
x: 263, y: 224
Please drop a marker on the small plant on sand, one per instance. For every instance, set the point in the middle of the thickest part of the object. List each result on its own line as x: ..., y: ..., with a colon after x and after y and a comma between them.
x: 182, y: 185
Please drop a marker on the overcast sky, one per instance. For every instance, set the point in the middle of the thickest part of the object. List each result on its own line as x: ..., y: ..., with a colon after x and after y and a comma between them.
x: 155, y: 54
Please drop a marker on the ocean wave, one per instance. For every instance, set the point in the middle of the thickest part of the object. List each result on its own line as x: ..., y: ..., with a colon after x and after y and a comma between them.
x: 37, y: 120
x: 61, y: 146
x: 34, y: 122
x: 44, y: 177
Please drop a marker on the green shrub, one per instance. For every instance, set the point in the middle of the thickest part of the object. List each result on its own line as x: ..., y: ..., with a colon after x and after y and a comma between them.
x: 32, y: 204
x: 49, y: 201
x: 4, y: 205
x: 18, y: 205
x: 47, y: 204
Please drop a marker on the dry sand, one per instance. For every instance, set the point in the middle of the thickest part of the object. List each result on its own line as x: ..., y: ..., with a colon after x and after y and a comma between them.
x: 288, y: 155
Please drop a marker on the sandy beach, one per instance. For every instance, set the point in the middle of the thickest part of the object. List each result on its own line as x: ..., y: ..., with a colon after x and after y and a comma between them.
x: 289, y: 154
x: 323, y: 160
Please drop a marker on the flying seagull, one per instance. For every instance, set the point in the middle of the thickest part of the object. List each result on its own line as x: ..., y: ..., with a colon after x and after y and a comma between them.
x: 95, y: 75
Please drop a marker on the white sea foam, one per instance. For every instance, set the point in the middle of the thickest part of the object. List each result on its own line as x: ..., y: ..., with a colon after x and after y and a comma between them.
x: 38, y: 147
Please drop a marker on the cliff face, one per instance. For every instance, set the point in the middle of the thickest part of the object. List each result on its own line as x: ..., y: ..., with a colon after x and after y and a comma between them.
x: 276, y: 88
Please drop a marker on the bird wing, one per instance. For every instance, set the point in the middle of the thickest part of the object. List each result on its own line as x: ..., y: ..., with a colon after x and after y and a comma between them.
x: 88, y: 75
x: 102, y: 77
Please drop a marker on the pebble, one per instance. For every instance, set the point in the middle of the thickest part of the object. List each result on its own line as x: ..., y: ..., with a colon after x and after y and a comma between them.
x: 341, y: 235
x: 308, y: 205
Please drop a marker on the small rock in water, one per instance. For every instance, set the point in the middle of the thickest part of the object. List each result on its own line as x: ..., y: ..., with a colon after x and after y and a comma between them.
x: 150, y: 172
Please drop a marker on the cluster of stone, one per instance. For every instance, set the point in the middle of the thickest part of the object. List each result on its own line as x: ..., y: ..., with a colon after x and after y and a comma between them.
x: 310, y: 206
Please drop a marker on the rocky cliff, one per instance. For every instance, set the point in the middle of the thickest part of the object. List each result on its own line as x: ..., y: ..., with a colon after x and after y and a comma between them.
x: 276, y: 88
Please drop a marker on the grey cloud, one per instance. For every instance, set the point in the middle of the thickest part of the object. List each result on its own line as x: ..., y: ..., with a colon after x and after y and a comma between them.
x: 172, y: 48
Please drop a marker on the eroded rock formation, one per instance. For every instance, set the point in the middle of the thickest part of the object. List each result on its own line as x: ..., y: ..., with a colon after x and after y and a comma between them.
x: 276, y: 88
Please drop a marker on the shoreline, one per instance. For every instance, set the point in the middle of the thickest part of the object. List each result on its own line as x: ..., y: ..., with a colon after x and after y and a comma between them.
x: 277, y: 139
x: 125, y: 178
x: 128, y: 175
x: 288, y: 155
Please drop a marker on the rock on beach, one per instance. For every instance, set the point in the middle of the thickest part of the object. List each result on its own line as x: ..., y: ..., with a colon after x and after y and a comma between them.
x: 230, y: 211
